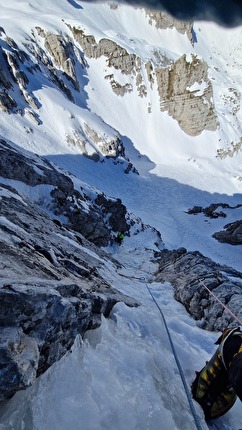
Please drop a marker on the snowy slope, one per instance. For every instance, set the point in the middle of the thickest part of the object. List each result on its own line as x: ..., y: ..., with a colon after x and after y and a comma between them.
x: 182, y: 167
x: 153, y: 134
x: 125, y: 377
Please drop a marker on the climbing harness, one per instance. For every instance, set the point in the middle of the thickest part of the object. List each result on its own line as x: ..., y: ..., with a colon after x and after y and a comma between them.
x: 187, y: 389
x: 221, y: 303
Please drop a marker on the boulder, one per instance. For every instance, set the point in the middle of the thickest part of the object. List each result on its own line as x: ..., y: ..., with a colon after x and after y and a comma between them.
x: 232, y: 233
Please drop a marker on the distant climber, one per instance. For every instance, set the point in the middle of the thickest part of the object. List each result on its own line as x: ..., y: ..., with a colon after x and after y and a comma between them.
x: 119, y: 238
x: 218, y: 384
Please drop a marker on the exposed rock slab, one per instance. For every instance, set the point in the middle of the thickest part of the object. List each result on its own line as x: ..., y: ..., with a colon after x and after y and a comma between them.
x: 188, y: 272
x: 19, y: 360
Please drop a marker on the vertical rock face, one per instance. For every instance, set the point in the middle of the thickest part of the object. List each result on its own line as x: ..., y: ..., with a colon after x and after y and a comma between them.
x: 62, y: 52
x: 14, y: 70
x: 186, y: 94
x: 117, y: 57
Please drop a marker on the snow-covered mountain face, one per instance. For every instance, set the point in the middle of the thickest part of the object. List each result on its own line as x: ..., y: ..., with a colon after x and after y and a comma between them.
x: 129, y: 100
x: 104, y: 89
x: 78, y: 77
x: 140, y: 107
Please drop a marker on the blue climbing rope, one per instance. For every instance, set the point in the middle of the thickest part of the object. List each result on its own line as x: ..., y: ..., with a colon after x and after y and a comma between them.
x: 187, y: 390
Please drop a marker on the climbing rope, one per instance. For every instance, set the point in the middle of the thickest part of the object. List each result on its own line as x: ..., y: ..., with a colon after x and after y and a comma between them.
x: 187, y: 389
x: 221, y: 303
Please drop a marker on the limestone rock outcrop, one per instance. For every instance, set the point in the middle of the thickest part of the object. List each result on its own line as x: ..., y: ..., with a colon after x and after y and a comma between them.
x: 189, y: 273
x: 12, y: 60
x: 163, y: 20
x: 184, y: 88
x: 186, y: 94
x: 62, y: 52
x: 183, y: 85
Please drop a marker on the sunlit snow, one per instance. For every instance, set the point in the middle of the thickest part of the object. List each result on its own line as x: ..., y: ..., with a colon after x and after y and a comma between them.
x: 123, y: 375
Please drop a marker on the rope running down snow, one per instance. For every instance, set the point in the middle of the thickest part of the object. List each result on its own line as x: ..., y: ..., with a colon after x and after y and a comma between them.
x: 187, y: 390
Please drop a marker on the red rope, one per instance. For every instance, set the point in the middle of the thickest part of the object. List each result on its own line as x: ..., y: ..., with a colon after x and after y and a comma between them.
x: 225, y: 307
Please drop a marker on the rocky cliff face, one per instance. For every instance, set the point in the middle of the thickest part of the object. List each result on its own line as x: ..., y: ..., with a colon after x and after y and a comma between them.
x: 50, y: 289
x: 183, y: 85
x: 58, y: 62
x: 186, y: 94
x: 50, y: 292
x: 77, y: 209
x: 163, y: 20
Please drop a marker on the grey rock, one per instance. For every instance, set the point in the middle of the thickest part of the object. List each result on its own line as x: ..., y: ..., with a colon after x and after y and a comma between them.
x: 163, y: 20
x: 30, y: 169
x: 116, y: 211
x: 4, y: 82
x: 232, y: 233
x: 13, y: 61
x: 62, y: 61
x: 66, y: 201
x: 19, y: 358
x: 7, y: 103
x: 193, y: 112
x: 50, y: 287
x: 191, y: 106
x: 62, y: 52
x: 189, y: 273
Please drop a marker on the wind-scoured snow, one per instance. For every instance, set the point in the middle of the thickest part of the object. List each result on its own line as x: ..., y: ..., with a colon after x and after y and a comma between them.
x: 123, y: 376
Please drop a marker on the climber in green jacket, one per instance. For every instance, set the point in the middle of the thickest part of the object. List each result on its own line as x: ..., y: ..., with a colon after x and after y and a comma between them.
x: 218, y: 384
x: 119, y: 238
